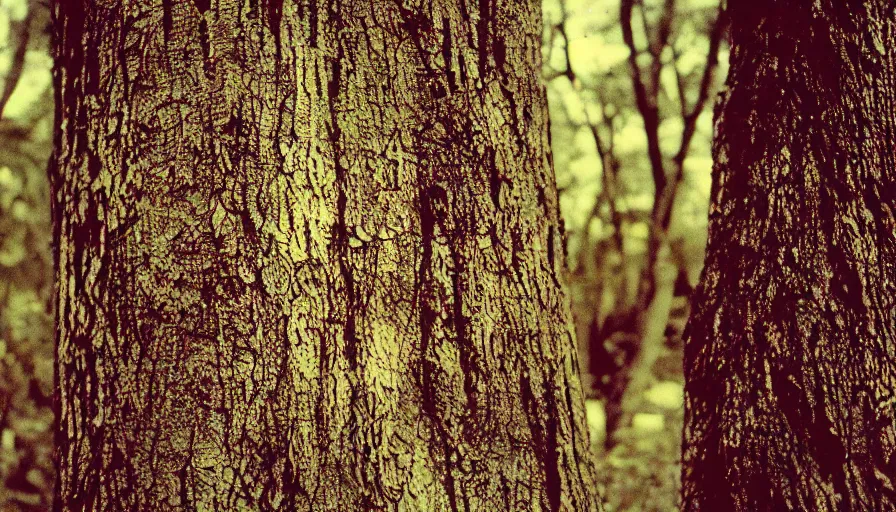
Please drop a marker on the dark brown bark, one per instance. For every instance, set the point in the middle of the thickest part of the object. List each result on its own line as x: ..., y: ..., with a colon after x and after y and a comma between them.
x: 309, y: 258
x: 789, y: 356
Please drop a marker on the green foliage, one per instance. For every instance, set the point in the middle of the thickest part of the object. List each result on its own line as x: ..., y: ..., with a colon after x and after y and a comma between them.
x: 26, y: 351
x: 26, y: 328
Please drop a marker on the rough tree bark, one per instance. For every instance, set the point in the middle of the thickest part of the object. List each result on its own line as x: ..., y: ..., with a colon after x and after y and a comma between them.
x: 309, y: 258
x: 790, y: 347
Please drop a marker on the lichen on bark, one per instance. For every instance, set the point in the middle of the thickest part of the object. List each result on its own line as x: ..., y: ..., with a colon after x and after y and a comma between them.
x: 309, y: 257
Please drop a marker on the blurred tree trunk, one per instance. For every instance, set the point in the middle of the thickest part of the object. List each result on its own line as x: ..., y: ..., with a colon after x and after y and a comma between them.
x: 790, y: 346
x: 309, y: 258
x: 627, y: 387
x: 636, y: 325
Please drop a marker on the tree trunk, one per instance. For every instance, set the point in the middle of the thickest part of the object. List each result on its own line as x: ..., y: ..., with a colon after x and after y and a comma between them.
x: 309, y: 258
x: 790, y: 347
x: 628, y: 385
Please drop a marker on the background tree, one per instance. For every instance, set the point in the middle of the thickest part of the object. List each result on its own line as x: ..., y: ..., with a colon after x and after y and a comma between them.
x: 629, y: 83
x: 641, y: 471
x: 647, y: 316
x: 309, y: 256
x: 789, y: 352
x: 26, y: 325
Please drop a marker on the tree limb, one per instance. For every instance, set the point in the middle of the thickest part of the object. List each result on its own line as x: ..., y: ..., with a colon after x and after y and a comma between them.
x: 18, y: 60
x: 647, y: 104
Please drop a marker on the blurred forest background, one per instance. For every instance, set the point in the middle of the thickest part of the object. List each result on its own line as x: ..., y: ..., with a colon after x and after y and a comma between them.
x: 631, y: 86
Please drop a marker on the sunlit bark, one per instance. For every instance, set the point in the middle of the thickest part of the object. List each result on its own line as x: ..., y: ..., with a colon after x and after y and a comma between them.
x: 309, y: 258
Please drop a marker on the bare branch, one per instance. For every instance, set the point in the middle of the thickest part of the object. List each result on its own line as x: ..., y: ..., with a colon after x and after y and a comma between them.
x: 663, y: 210
x: 609, y: 162
x: 712, y: 63
x: 664, y: 30
x: 647, y: 105
x: 561, y: 29
x: 18, y: 60
x: 679, y: 82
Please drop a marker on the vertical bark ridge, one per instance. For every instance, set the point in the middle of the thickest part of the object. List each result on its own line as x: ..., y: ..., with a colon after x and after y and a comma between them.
x: 790, y: 348
x: 306, y: 250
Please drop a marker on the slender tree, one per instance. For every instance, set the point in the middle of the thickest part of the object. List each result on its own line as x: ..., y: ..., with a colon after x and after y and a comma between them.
x: 790, y: 347
x: 648, y: 316
x: 309, y: 258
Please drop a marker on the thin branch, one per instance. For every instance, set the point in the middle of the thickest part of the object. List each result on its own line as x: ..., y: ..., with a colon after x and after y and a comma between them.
x: 712, y: 63
x: 663, y: 211
x: 679, y: 82
x: 608, y: 160
x: 561, y: 28
x: 646, y: 104
x: 664, y: 30
x: 18, y: 60
x: 610, y: 167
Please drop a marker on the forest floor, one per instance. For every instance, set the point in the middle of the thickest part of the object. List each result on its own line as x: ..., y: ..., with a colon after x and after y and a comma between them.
x: 641, y: 473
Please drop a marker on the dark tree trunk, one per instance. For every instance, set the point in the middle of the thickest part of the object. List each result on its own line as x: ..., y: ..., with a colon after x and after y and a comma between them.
x: 790, y: 347
x: 309, y: 258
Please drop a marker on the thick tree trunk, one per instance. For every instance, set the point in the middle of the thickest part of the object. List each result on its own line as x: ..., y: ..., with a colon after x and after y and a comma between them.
x: 309, y: 258
x: 790, y: 347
